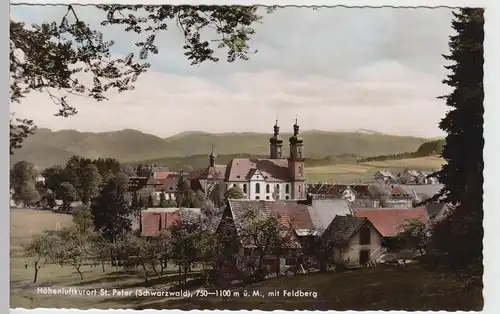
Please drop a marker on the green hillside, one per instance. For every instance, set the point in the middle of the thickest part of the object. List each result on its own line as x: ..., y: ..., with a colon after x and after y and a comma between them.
x: 47, y: 148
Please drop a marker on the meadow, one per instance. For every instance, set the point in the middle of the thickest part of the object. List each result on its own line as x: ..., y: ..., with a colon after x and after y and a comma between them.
x: 351, y: 171
x: 383, y: 287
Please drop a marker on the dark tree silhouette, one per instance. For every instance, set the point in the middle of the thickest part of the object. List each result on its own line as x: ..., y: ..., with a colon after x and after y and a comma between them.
x: 460, y: 234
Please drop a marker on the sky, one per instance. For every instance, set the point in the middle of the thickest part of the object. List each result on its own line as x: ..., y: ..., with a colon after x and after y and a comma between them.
x: 333, y: 68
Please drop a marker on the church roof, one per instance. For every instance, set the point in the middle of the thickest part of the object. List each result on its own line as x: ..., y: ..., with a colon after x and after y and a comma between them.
x: 273, y: 170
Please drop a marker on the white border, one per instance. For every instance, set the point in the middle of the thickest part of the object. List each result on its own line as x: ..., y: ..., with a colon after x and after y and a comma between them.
x: 491, y: 149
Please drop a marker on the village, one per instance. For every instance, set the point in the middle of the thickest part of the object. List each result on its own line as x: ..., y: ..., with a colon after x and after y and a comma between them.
x: 361, y: 223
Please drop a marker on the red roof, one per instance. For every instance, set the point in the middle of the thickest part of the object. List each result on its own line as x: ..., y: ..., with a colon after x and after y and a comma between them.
x: 153, y: 223
x: 164, y: 175
x: 389, y: 221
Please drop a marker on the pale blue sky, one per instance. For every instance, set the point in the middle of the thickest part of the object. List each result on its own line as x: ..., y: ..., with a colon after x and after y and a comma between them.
x: 337, y: 68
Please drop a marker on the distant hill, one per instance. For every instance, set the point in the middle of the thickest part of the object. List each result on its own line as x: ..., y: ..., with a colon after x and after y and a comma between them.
x: 47, y: 148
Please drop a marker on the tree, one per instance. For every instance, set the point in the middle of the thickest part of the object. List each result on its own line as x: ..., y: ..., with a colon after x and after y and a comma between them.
x: 91, y: 181
x: 128, y: 170
x: 82, y: 218
x: 50, y: 51
x: 53, y: 176
x: 184, y: 238
x: 262, y: 232
x: 22, y: 180
x: 216, y: 194
x: 111, y: 212
x: 122, y: 180
x: 100, y: 248
x: 414, y: 235
x: 137, y: 251
x: 460, y: 234
x: 163, y: 200
x: 73, y: 248
x: 68, y: 194
x: 106, y: 177
x: 136, y: 206
x: 150, y: 201
x: 235, y: 193
x: 38, y: 248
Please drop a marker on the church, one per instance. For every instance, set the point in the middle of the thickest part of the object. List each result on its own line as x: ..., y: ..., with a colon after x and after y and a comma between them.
x: 273, y: 178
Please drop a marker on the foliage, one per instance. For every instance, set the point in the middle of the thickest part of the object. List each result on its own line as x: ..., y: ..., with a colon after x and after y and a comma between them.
x: 150, y: 201
x: 68, y: 194
x: 52, y: 56
x: 111, y: 212
x: 264, y: 233
x: 460, y: 234
x: 322, y: 247
x: 414, y: 235
x: 163, y: 200
x: 82, y: 217
x: 22, y: 181
x: 90, y: 183
x: 38, y: 248
x: 235, y: 192
x: 128, y: 170
x: 136, y: 251
x: 122, y: 180
x: 184, y: 240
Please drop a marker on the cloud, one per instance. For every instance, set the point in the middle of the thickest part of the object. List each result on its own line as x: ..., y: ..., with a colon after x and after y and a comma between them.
x: 336, y: 68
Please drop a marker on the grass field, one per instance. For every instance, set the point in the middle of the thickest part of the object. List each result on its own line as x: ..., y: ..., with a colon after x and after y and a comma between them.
x: 354, y: 172
x: 403, y: 288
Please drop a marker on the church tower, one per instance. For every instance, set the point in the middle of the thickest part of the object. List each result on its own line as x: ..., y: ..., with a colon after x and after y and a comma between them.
x: 276, y: 143
x: 212, y: 157
x: 296, y: 163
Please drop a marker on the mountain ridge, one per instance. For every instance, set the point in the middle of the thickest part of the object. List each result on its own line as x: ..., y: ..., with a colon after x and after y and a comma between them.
x: 47, y: 147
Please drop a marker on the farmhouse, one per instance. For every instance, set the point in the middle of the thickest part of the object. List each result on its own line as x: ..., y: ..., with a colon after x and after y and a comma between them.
x: 390, y: 222
x: 363, y: 242
x: 384, y: 176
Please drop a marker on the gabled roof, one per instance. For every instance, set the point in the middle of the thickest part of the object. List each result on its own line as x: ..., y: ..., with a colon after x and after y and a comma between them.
x: 389, y: 221
x: 323, y: 211
x: 343, y: 228
x: 386, y: 174
x: 273, y: 170
x: 423, y: 189
x: 413, y: 173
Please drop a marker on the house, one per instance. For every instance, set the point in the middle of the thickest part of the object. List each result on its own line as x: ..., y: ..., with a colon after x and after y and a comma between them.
x: 390, y: 222
x: 154, y: 221
x: 305, y: 218
x: 384, y: 176
x: 357, y: 195
x: 273, y: 178
x: 363, y: 242
x: 291, y: 215
x: 422, y: 192
x: 410, y: 176
x: 423, y: 178
x: 398, y: 198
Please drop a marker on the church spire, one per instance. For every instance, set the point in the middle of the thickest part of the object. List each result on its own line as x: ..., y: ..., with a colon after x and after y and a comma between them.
x: 212, y: 157
x: 276, y: 143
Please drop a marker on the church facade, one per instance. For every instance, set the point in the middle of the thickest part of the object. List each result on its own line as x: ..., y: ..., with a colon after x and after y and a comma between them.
x: 273, y: 178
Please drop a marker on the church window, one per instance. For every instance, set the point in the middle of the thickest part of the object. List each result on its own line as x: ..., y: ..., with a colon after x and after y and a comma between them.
x: 287, y: 188
x: 257, y: 197
x: 268, y: 190
x: 299, y: 188
x: 300, y: 171
x: 244, y: 188
x: 257, y: 188
x: 267, y: 197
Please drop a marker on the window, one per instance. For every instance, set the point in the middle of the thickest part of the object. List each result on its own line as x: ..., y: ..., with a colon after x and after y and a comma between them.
x: 287, y: 188
x: 257, y: 188
x: 301, y: 173
x: 268, y: 188
x: 246, y: 252
x: 244, y: 188
x: 287, y: 197
x: 257, y: 197
x: 267, y: 197
x: 299, y: 188
x: 234, y: 185
x: 364, y: 235
x: 290, y: 262
x: 277, y: 187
